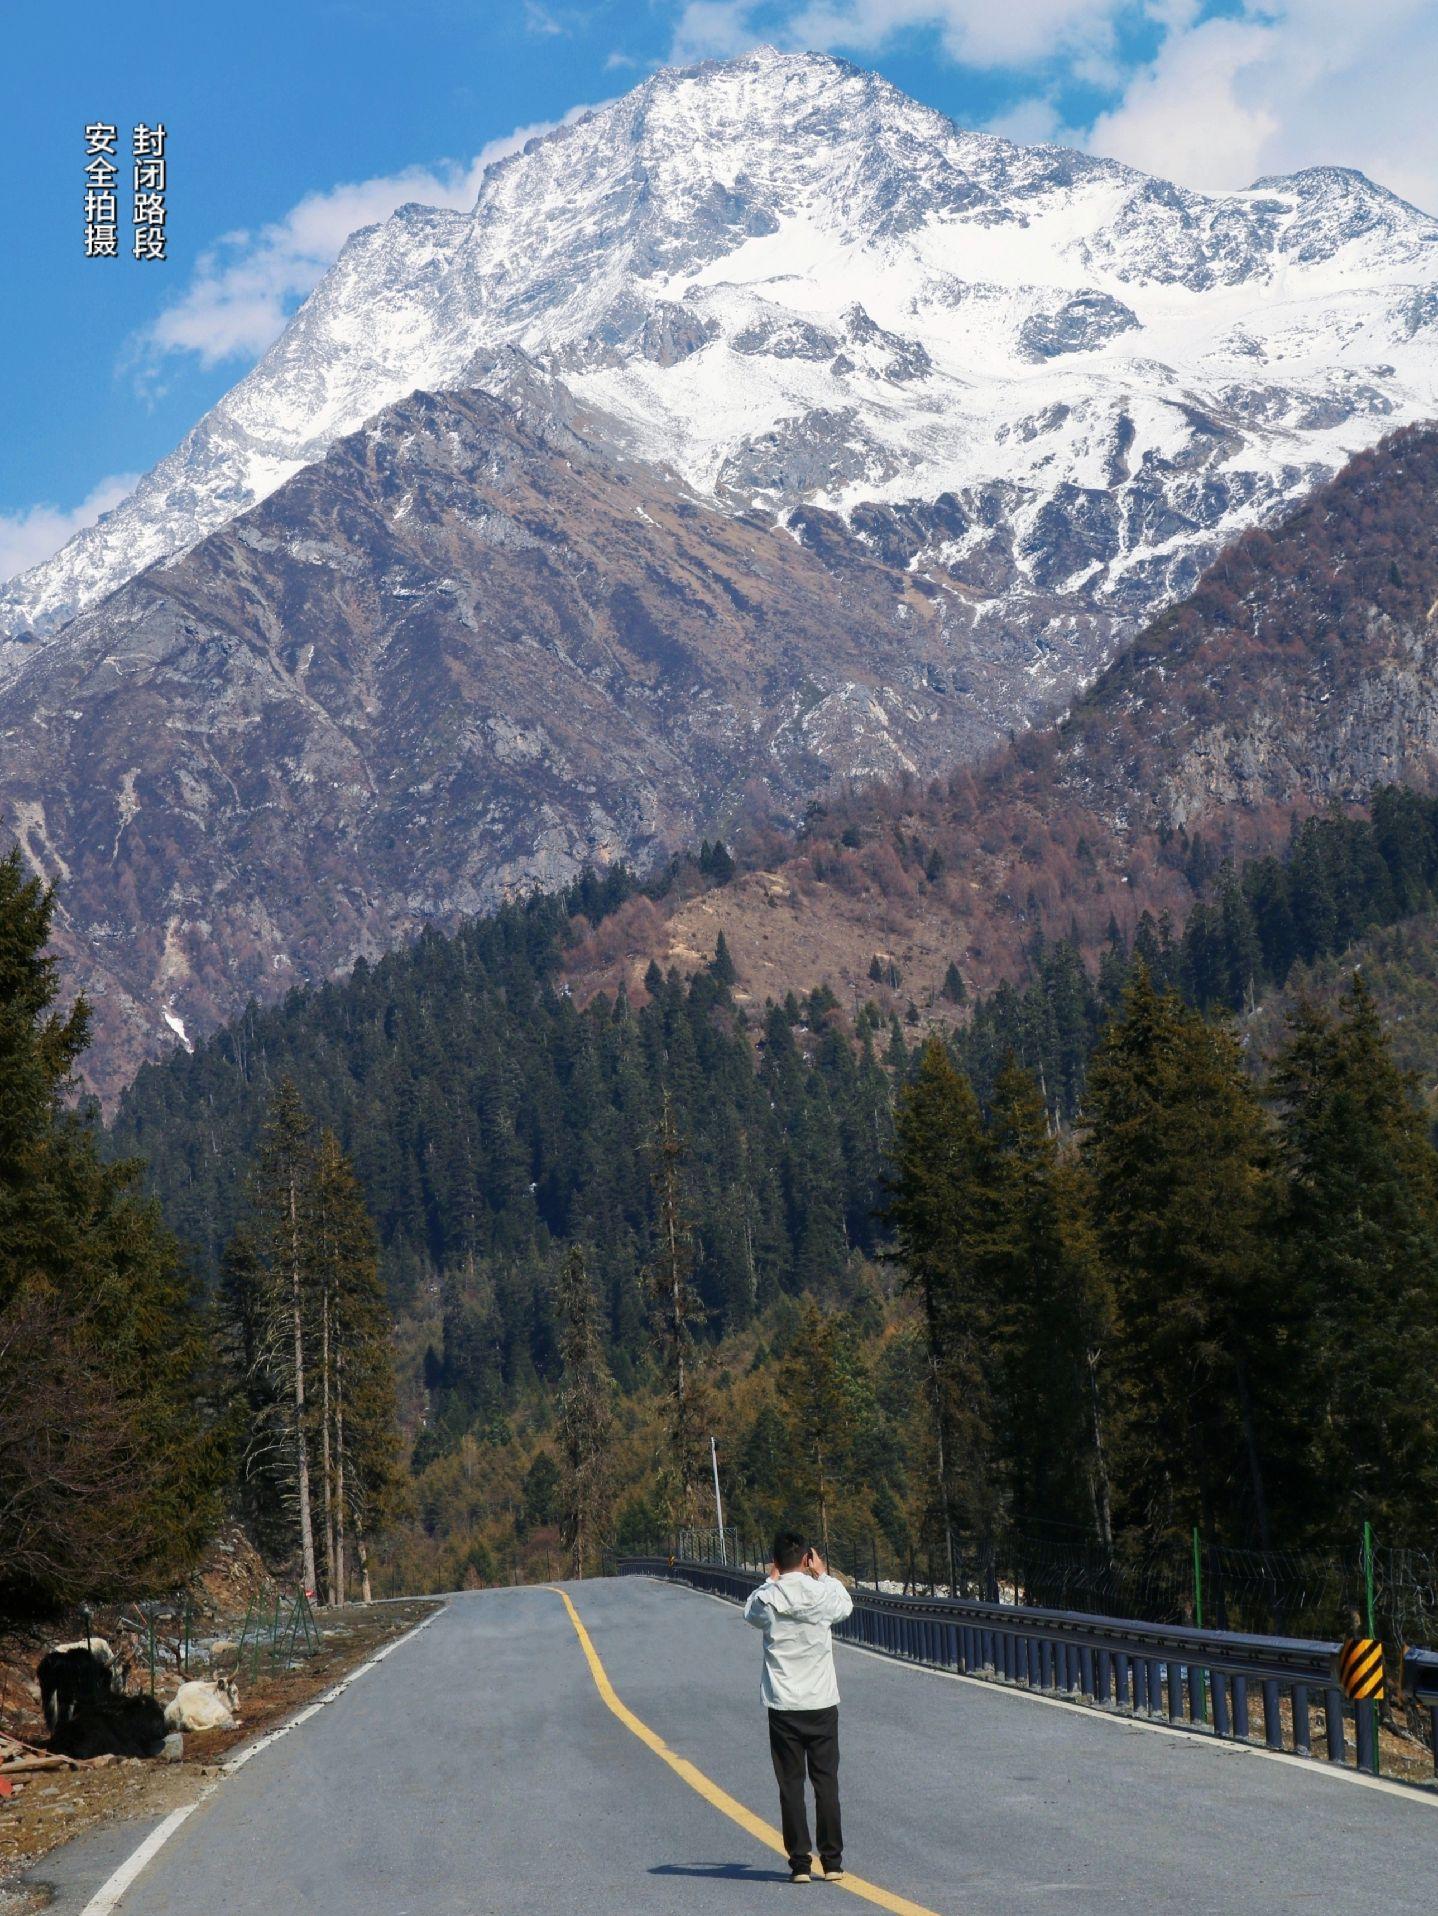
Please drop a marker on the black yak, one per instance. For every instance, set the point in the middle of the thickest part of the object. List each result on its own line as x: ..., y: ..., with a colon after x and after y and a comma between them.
x: 71, y: 1676
x: 112, y: 1726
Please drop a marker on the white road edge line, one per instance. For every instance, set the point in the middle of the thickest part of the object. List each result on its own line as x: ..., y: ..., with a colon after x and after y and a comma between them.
x: 108, y: 1895
x: 1221, y: 1746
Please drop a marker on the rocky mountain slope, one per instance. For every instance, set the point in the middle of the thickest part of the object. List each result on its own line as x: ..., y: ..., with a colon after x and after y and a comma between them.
x: 469, y: 652
x: 792, y: 285
x: 758, y: 432
x: 1303, y: 672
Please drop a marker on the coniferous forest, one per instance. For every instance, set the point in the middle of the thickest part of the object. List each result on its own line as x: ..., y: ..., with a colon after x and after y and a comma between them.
x: 1068, y: 1284
x: 457, y: 1276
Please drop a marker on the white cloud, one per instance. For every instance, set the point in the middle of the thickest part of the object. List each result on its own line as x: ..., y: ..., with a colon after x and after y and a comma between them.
x: 37, y: 532
x: 1289, y: 84
x: 247, y: 285
x: 1194, y: 115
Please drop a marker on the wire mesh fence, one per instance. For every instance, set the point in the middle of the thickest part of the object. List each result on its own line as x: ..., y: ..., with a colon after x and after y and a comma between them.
x: 1318, y: 1593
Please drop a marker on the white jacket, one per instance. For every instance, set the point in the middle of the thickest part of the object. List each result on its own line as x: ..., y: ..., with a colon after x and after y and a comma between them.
x: 796, y: 1612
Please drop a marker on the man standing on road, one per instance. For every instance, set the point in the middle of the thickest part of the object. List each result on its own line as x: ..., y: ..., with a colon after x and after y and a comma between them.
x: 797, y: 1609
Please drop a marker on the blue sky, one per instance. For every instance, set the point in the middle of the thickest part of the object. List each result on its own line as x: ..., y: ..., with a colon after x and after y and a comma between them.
x: 291, y: 123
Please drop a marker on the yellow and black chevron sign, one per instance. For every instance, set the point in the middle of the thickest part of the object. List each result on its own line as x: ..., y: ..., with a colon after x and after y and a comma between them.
x: 1360, y: 1669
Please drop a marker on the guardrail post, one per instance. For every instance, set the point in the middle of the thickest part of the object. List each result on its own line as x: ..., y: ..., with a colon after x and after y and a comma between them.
x: 1272, y: 1716
x: 1302, y: 1739
x: 1333, y: 1720
x: 1155, y: 1687
x: 1086, y: 1670
x: 1105, y: 1677
x: 1219, y: 1687
x: 1197, y: 1707
x: 1121, y: 1674
x: 1175, y: 1691
x: 1240, y: 1707
x: 1433, y: 1733
x: 1365, y: 1729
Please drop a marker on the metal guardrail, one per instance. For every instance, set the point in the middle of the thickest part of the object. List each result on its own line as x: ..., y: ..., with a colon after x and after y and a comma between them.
x: 1206, y: 1680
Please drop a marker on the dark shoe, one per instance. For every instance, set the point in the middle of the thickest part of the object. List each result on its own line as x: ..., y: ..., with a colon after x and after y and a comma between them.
x: 800, y: 1876
x: 834, y: 1875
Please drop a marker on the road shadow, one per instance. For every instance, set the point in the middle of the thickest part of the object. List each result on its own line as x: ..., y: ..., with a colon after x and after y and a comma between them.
x: 722, y: 1872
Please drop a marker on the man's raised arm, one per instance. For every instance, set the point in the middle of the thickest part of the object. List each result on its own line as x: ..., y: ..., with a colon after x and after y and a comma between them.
x: 834, y: 1602
x: 759, y: 1609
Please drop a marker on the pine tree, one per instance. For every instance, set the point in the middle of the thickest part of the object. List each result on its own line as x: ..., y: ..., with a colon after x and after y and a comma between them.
x: 279, y: 1189
x: 722, y: 964
x: 937, y: 1161
x: 1178, y: 1152
x: 110, y: 1466
x: 676, y: 1313
x: 1359, y: 1243
x: 586, y: 1416
x: 826, y: 1403
x: 250, y: 1350
x: 1030, y: 1264
x: 356, y: 1387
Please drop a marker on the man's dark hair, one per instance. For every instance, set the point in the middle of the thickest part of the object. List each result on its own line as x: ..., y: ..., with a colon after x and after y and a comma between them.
x: 789, y: 1549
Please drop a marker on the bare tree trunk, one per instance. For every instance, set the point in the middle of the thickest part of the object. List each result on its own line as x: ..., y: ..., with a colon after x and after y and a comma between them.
x: 936, y: 1388
x: 362, y: 1547
x: 1102, y: 1501
x: 340, y: 1592
x: 302, y: 1455
x: 326, y: 1455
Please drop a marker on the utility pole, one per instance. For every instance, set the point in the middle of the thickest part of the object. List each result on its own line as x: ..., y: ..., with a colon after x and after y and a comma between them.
x: 718, y: 1500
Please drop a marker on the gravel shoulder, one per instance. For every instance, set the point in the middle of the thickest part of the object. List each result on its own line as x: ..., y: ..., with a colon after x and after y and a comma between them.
x: 54, y: 1808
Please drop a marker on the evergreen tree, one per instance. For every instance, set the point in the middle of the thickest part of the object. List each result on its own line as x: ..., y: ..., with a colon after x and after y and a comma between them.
x: 279, y: 1188
x: 109, y: 1471
x: 355, y: 1405
x: 826, y: 1404
x: 586, y: 1416
x: 1358, y: 1237
x: 542, y: 1490
x: 676, y: 1314
x: 937, y: 1165
x: 1030, y: 1265
x: 254, y: 1392
x: 1178, y: 1152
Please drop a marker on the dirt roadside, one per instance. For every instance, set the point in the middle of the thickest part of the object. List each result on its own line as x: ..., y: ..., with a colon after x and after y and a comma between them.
x: 52, y: 1807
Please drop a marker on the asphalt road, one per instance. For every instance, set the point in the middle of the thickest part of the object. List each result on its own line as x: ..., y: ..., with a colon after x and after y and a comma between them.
x: 478, y: 1770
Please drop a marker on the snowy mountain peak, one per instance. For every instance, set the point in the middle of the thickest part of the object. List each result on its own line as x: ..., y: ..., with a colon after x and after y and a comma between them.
x: 792, y: 285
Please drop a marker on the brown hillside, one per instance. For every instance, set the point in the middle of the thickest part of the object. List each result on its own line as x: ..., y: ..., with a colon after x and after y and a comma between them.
x: 1300, y: 673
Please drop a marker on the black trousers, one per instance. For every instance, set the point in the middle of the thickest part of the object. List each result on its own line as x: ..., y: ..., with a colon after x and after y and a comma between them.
x: 800, y: 1738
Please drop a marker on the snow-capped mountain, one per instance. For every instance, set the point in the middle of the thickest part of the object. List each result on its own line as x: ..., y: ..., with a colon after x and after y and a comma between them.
x: 793, y: 286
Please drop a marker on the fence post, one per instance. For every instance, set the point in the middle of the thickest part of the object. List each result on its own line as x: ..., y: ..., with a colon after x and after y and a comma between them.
x: 1372, y: 1708
x: 1202, y: 1710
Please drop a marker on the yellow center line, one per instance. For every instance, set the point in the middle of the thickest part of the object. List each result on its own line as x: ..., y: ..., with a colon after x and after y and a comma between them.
x: 721, y: 1800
